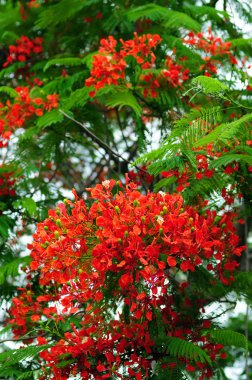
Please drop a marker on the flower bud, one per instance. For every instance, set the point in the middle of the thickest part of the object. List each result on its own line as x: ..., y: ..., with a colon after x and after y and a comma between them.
x: 58, y: 222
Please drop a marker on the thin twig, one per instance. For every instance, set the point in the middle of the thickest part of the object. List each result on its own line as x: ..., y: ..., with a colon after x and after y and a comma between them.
x: 101, y: 143
x: 224, y: 312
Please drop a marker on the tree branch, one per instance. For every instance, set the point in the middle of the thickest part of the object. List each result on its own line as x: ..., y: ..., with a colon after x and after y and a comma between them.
x: 101, y: 143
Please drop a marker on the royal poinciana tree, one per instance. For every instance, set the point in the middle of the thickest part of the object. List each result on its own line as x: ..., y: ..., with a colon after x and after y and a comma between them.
x: 125, y: 142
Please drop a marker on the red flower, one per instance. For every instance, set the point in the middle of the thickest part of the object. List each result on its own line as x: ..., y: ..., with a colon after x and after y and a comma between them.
x: 125, y: 280
x: 24, y: 49
x: 125, y: 249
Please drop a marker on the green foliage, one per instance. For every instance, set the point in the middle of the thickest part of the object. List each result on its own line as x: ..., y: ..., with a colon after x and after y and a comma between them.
x: 229, y: 338
x: 182, y: 348
x: 207, y: 12
x: 17, y: 355
x: 209, y: 85
x: 6, y: 224
x: 172, y: 19
x: 61, y: 12
x: 243, y: 284
x: 70, y: 61
x: 227, y: 158
x: 77, y: 99
x: 29, y: 375
x: 9, y: 91
x: 241, y: 43
x: 124, y: 98
x: 11, y: 269
x: 224, y: 133
x: 49, y: 118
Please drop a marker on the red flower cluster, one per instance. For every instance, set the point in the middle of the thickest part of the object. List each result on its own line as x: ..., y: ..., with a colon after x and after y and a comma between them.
x: 24, y: 49
x: 141, y: 48
x: 14, y: 115
x: 175, y: 73
x: 6, y: 181
x: 183, y: 178
x: 112, y: 268
x: 212, y: 45
x: 109, y: 65
x: 141, y: 176
x: 209, y: 43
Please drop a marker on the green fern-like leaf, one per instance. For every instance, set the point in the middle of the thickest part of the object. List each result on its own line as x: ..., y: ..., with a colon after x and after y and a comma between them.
x: 69, y: 61
x: 50, y: 118
x: 5, y: 224
x: 180, y: 19
x: 17, y: 355
x: 9, y: 91
x: 182, y: 348
x: 164, y: 183
x: 77, y: 99
x: 156, y: 12
x: 151, y: 11
x: 122, y: 98
x: 29, y: 375
x: 227, y: 158
x: 243, y: 282
x: 206, y: 186
x: 229, y: 338
x: 241, y: 43
x: 206, y: 12
x: 225, y: 132
x: 9, y: 15
x: 12, y: 268
x: 209, y: 115
x: 61, y: 12
x: 209, y: 85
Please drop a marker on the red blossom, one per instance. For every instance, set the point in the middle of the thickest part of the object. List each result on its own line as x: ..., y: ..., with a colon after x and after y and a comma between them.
x: 24, y: 107
x: 24, y: 49
x: 110, y: 64
x: 132, y: 243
